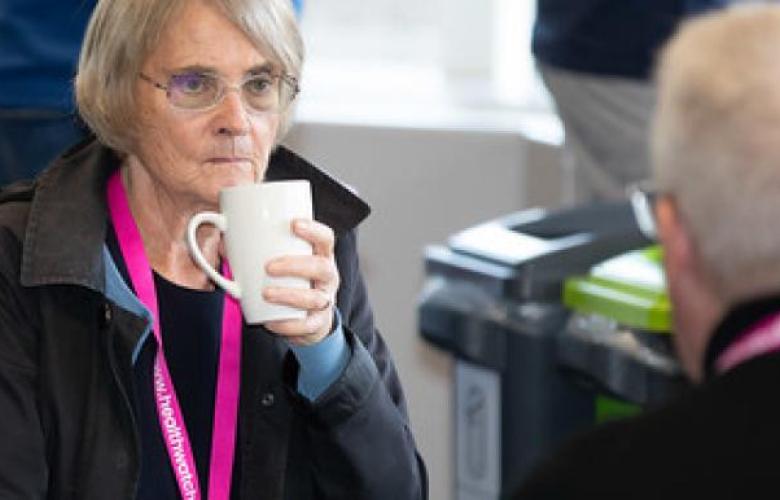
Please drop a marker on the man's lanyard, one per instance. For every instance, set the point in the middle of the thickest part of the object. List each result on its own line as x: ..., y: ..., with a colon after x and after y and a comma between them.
x: 228, y: 374
x: 762, y: 338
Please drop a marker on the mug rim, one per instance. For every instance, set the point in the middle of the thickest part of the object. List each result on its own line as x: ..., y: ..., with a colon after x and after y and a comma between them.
x: 264, y: 184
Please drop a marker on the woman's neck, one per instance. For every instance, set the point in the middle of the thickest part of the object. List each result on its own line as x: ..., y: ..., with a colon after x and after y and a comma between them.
x: 162, y: 220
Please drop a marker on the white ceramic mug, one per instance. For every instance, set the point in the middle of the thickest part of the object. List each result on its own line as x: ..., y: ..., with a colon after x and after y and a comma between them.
x: 256, y: 221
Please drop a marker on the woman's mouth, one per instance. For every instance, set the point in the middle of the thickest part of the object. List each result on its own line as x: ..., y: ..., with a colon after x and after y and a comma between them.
x: 241, y: 163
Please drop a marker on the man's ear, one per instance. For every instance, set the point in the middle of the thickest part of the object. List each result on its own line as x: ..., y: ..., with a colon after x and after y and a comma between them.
x: 674, y: 236
x: 695, y: 307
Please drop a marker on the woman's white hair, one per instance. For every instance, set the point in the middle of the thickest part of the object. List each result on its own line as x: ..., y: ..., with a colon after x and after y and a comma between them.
x: 716, y: 143
x: 123, y: 33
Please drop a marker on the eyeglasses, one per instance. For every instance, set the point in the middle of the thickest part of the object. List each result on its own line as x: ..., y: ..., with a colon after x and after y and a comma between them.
x: 262, y: 92
x: 643, y: 196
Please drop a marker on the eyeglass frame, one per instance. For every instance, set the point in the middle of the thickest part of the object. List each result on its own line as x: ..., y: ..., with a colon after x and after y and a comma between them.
x: 643, y: 196
x: 282, y: 77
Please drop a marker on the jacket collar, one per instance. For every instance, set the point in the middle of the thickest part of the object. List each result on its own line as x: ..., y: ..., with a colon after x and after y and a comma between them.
x: 736, y: 323
x: 66, y: 227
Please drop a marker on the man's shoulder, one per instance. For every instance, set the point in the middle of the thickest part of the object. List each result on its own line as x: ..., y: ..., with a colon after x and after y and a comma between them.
x: 695, y: 440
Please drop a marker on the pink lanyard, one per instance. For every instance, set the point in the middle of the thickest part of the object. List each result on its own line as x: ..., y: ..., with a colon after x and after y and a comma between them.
x: 760, y: 339
x: 228, y: 375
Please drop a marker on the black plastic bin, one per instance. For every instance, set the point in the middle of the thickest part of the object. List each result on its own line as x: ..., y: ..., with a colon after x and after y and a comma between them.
x: 493, y: 299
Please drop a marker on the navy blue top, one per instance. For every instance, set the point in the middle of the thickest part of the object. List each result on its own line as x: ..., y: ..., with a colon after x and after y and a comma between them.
x: 191, y: 342
x: 191, y: 324
x: 609, y: 37
x: 39, y: 47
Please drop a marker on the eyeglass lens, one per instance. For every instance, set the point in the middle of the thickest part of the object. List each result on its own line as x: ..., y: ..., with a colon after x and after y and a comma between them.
x: 200, y: 90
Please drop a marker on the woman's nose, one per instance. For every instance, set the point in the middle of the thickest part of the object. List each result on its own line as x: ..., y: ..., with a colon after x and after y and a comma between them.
x: 232, y: 114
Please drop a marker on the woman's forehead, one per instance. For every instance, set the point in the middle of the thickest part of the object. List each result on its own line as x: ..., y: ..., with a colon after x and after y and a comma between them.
x: 200, y: 35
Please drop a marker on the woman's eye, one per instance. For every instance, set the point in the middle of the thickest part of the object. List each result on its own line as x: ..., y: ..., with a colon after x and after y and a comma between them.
x: 259, y: 85
x: 191, y: 83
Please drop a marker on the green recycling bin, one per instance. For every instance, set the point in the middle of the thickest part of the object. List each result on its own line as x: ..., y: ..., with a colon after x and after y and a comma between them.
x: 619, y: 337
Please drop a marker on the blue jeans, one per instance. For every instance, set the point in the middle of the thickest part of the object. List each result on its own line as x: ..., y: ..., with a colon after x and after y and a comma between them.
x: 30, y: 139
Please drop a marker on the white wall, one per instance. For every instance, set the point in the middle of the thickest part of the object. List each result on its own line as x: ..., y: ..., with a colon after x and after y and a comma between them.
x: 424, y: 184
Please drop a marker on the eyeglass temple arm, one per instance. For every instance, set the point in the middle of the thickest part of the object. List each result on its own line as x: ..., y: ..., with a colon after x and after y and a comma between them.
x: 156, y: 84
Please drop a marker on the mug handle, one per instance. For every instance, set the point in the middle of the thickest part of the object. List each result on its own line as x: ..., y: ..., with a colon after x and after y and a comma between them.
x: 218, y: 220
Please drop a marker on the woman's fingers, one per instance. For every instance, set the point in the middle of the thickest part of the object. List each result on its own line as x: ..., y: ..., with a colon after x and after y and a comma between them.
x: 320, y: 270
x: 306, y: 331
x: 319, y: 235
x: 310, y: 299
x: 314, y: 268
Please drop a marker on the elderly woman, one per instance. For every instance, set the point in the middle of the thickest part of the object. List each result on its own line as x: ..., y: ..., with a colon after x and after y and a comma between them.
x: 186, y: 97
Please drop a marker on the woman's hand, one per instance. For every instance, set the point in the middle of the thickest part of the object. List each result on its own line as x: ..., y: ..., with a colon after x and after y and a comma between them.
x: 319, y: 300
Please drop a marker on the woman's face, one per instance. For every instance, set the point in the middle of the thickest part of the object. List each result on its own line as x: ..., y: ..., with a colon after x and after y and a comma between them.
x: 193, y: 154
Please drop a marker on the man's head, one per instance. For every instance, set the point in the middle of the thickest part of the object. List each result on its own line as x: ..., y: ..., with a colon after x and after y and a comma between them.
x: 716, y: 154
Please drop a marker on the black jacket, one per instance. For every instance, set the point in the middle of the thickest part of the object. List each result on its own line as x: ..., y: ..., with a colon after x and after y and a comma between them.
x: 67, y: 341
x: 720, y: 440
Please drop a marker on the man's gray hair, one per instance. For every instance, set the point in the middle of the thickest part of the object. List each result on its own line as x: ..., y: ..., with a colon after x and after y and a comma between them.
x: 123, y: 33
x: 716, y: 143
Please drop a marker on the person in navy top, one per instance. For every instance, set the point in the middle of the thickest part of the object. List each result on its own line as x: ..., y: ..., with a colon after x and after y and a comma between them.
x: 595, y: 57
x: 39, y: 48
x: 717, y: 201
